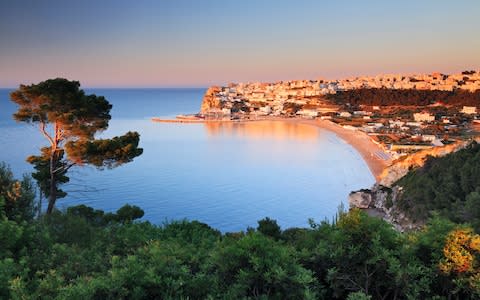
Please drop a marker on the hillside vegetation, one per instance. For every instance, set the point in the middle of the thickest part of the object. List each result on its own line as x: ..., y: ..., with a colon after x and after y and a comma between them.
x: 448, y: 185
x: 84, y: 253
x: 410, y: 97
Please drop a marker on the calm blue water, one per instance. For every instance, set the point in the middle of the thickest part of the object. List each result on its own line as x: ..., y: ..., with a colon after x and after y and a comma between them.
x: 228, y: 176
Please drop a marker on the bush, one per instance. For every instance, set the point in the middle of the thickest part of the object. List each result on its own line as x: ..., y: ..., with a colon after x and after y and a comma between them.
x: 18, y: 195
x: 269, y: 228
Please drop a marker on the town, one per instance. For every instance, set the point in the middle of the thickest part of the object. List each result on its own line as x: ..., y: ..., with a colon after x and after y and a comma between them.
x: 399, y: 129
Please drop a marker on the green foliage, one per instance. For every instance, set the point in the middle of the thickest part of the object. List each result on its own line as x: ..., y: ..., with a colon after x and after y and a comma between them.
x: 16, y: 197
x: 129, y: 213
x: 269, y: 228
x: 472, y: 209
x: 449, y: 185
x: 414, y: 97
x: 85, y: 253
x: 62, y: 101
x: 41, y: 164
x: 93, y: 216
x: 358, y: 296
x: 106, y: 152
x: 371, y: 248
x: 256, y: 266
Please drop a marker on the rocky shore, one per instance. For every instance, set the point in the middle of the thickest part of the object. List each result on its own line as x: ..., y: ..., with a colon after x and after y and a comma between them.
x: 381, y: 200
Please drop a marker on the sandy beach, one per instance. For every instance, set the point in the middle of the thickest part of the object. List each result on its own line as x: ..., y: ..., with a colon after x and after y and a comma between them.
x: 375, y: 157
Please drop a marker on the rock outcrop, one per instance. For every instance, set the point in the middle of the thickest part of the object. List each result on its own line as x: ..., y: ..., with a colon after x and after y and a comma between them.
x: 360, y: 199
x: 210, y: 101
x: 381, y: 201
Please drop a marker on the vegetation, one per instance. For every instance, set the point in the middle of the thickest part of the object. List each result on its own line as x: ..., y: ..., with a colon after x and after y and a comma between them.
x: 69, y: 120
x: 413, y: 97
x: 84, y: 253
x: 449, y: 185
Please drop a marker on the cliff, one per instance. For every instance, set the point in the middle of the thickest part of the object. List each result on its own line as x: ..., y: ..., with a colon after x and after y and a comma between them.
x: 381, y: 201
x: 210, y: 101
x: 400, y: 167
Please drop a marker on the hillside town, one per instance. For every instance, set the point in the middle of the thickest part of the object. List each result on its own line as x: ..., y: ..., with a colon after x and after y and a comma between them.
x: 399, y: 130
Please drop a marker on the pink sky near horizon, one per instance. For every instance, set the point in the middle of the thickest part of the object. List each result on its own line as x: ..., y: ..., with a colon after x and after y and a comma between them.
x: 185, y: 43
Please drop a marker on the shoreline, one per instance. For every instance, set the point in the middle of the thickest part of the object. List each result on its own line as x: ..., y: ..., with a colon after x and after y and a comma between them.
x: 374, y: 156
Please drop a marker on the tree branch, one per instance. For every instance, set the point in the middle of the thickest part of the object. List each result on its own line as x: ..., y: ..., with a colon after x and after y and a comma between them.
x: 64, y: 168
x: 45, y: 134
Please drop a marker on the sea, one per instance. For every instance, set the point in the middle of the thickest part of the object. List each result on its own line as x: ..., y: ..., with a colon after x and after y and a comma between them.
x: 227, y: 175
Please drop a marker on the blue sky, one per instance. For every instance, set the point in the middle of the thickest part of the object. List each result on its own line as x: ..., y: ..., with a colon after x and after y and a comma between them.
x: 170, y: 43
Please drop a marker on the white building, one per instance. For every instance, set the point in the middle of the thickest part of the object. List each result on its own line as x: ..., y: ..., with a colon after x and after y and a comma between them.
x: 308, y: 113
x: 413, y: 124
x: 226, y: 111
x: 428, y: 137
x: 396, y: 123
x: 423, y: 117
x: 345, y: 114
x: 469, y: 110
x: 265, y: 110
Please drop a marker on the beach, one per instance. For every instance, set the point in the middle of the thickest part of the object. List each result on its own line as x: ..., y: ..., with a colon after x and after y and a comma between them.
x: 373, y: 154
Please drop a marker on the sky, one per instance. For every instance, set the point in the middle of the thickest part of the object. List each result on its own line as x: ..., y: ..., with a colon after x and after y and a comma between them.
x: 197, y: 43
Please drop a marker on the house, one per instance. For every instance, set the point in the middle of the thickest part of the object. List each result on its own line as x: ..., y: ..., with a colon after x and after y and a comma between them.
x: 308, y: 113
x: 265, y: 110
x: 413, y: 124
x: 469, y: 110
x: 396, y: 123
x: 345, y: 114
x: 428, y: 137
x: 361, y: 113
x: 349, y: 127
x: 423, y: 117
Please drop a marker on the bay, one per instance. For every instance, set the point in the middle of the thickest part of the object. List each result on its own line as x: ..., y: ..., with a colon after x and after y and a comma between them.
x: 226, y: 175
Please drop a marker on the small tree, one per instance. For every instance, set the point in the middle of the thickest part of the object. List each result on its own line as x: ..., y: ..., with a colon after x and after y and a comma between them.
x: 269, y: 228
x: 461, y: 261
x: 69, y: 120
x: 16, y: 196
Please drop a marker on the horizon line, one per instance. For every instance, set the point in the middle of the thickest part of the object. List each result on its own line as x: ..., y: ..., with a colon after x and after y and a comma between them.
x: 196, y: 86
x: 126, y: 87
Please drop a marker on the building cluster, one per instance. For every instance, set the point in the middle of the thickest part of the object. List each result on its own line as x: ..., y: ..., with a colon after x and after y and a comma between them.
x: 277, y: 98
x: 303, y: 98
x: 403, y: 134
x: 467, y: 80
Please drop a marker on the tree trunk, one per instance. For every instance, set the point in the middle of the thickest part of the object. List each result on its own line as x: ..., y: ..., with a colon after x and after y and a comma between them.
x: 53, y: 184
x: 40, y: 200
x: 53, y: 163
x: 54, y: 142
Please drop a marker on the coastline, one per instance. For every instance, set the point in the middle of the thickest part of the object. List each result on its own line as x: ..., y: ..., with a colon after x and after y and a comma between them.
x: 374, y: 156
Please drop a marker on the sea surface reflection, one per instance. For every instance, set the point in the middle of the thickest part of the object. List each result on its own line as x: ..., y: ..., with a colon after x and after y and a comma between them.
x: 228, y: 175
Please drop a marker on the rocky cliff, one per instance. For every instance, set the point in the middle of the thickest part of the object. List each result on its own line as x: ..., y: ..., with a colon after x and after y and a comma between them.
x: 210, y: 102
x: 381, y: 201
